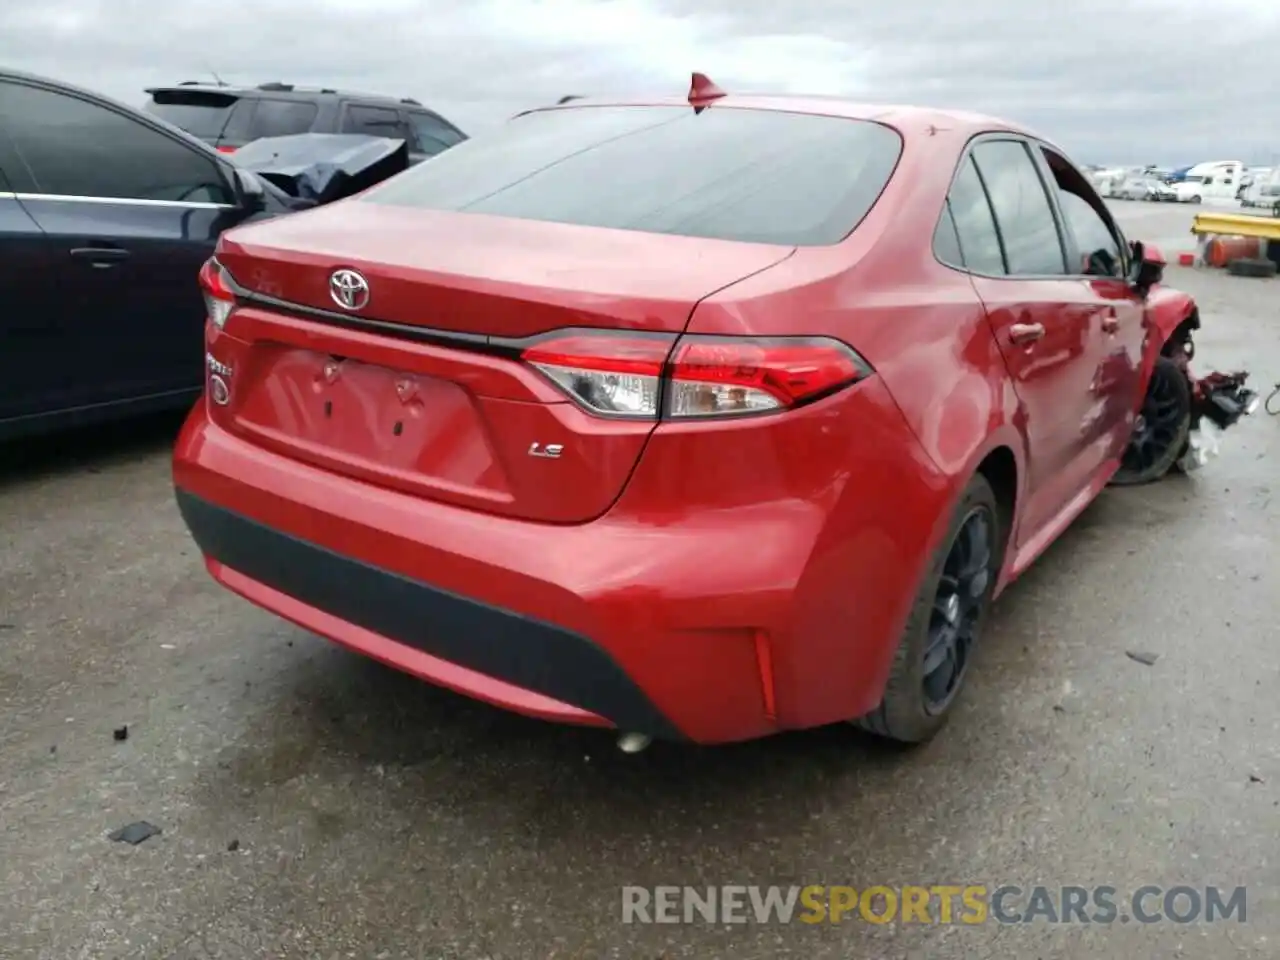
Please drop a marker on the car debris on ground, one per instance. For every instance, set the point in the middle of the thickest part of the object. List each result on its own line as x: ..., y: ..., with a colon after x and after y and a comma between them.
x: 135, y: 833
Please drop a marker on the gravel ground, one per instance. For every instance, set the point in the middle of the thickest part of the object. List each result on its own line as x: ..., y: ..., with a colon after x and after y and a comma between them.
x: 316, y: 805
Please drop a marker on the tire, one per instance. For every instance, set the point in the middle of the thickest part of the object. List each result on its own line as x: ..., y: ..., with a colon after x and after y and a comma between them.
x: 1161, y: 438
x: 907, y: 714
x: 1195, y: 199
x: 1251, y: 267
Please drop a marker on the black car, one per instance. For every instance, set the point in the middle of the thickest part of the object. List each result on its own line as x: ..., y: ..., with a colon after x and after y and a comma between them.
x: 229, y: 117
x: 106, y: 215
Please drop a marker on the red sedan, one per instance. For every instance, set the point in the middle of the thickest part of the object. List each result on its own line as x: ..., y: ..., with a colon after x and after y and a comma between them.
x: 699, y: 419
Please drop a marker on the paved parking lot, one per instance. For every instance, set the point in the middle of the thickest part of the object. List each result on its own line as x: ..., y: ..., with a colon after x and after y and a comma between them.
x: 316, y: 805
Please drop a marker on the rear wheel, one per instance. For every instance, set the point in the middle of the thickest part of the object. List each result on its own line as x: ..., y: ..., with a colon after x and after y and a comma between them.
x: 1161, y: 431
x: 934, y: 654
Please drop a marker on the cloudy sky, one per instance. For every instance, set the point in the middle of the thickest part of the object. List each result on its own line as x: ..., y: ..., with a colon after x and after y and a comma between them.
x: 1132, y: 81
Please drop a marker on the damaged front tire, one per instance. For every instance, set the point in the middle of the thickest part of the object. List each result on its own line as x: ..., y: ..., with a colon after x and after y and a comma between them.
x: 1163, y: 427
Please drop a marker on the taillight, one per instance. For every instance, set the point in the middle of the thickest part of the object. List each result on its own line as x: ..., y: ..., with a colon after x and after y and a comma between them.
x: 215, y: 284
x: 720, y: 376
x: 620, y: 376
x: 628, y: 375
x: 226, y: 149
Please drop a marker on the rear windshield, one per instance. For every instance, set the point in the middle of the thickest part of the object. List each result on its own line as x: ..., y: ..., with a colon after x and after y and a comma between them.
x: 201, y: 113
x: 762, y: 176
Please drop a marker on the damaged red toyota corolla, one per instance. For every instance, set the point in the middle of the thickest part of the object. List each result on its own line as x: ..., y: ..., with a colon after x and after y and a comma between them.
x: 698, y: 419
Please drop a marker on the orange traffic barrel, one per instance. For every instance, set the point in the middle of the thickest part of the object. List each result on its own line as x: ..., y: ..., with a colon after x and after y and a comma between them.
x: 1222, y: 250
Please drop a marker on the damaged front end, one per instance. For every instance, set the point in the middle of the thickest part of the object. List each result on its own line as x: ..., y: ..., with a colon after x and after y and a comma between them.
x: 1218, y: 400
x: 319, y: 168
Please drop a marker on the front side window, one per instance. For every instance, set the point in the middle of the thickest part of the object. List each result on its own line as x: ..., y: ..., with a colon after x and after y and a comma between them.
x: 761, y: 176
x: 373, y: 121
x: 1098, y: 244
x: 74, y: 148
x: 1025, y: 218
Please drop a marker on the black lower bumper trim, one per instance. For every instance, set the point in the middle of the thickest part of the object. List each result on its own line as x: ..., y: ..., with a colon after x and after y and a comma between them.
x: 520, y: 650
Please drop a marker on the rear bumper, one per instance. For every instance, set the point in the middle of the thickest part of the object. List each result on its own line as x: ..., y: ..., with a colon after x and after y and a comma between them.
x: 511, y: 660
x: 751, y: 578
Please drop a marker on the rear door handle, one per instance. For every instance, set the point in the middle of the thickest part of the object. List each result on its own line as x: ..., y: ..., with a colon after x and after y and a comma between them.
x: 1024, y: 333
x: 100, y: 257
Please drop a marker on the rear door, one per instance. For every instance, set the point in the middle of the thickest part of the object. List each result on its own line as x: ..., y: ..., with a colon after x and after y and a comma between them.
x: 128, y: 213
x: 1033, y: 306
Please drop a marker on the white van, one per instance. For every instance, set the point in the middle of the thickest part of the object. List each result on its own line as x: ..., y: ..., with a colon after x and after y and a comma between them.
x: 1264, y: 191
x: 1215, y: 180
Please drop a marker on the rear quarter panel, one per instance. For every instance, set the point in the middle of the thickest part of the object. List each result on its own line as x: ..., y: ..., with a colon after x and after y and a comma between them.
x: 924, y: 329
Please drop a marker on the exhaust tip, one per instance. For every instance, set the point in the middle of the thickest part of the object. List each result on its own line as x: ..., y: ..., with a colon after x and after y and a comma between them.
x: 633, y: 742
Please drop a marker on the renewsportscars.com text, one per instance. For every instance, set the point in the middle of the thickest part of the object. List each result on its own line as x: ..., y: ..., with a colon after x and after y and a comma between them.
x: 938, y: 904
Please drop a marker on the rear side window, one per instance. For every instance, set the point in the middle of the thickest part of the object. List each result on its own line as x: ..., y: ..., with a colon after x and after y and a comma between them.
x: 975, y: 224
x: 432, y: 134
x: 282, y: 118
x: 946, y: 241
x: 201, y: 113
x: 372, y: 121
x: 748, y: 175
x: 1025, y: 218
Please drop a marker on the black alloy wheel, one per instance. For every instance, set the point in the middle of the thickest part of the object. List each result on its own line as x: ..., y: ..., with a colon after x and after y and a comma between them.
x: 957, y: 609
x: 935, y: 652
x: 1162, y: 428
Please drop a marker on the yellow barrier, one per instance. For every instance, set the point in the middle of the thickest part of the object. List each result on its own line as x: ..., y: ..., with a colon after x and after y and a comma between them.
x: 1235, y: 225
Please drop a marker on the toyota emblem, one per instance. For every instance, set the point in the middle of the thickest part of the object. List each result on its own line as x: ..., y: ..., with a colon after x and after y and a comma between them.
x: 349, y: 290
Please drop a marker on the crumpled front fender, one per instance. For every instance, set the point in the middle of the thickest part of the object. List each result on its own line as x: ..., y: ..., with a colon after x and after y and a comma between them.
x: 1171, y: 317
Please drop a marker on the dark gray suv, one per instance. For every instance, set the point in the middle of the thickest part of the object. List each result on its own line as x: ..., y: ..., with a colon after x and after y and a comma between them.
x: 228, y: 117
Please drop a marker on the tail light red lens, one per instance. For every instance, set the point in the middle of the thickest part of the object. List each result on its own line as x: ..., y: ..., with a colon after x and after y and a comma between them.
x: 219, y: 298
x: 226, y: 149
x: 627, y: 375
x: 725, y: 376
x: 619, y: 376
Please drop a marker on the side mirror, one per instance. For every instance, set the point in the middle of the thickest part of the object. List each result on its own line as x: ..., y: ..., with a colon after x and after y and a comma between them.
x: 251, y: 196
x: 1146, y: 267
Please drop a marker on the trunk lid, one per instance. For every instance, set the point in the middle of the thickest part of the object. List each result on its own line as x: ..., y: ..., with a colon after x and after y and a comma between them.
x: 478, y: 274
x: 460, y: 420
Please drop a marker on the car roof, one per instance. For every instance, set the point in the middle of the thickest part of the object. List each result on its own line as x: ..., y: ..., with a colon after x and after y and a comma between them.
x: 278, y: 90
x: 909, y: 119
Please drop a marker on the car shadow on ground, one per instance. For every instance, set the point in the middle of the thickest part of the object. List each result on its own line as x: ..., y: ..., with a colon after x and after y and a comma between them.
x: 335, y: 716
x: 92, y: 449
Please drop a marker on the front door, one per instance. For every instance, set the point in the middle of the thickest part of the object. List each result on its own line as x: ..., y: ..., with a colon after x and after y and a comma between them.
x: 30, y: 374
x: 130, y: 213
x: 1117, y: 315
x: 1044, y: 334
